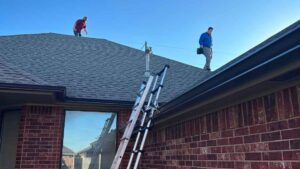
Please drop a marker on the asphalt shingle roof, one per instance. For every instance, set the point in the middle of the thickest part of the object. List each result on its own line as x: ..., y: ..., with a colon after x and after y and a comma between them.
x: 89, y: 68
x: 11, y: 74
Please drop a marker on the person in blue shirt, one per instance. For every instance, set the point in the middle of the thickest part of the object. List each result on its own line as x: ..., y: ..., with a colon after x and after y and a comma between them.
x: 205, y: 42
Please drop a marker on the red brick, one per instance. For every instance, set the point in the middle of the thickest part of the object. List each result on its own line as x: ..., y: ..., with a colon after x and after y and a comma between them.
x: 295, y: 144
x: 240, y: 118
x: 260, y: 165
x: 247, y: 113
x: 209, y: 123
x: 258, y: 129
x: 287, y: 104
x: 270, y: 108
x: 270, y: 136
x: 203, y: 124
x: 293, y: 123
x: 224, y: 141
x: 271, y: 156
x: 242, y: 165
x: 252, y: 156
x: 280, y: 105
x: 295, y: 165
x: 236, y: 140
x: 228, y: 133
x: 211, y: 143
x: 257, y: 147
x: 215, y: 122
x: 228, y: 149
x: 280, y: 165
x: 252, y: 138
x: 237, y: 156
x: 278, y: 125
x: 222, y: 119
x: 291, y: 155
x: 242, y: 148
x: 279, y: 145
x: 289, y: 134
x: 295, y: 100
x: 242, y: 131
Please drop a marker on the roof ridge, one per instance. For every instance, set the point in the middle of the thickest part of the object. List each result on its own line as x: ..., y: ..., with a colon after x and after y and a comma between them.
x: 153, y: 54
x: 109, y: 41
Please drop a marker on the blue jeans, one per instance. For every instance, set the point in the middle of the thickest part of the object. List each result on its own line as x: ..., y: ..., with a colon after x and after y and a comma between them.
x: 76, y: 33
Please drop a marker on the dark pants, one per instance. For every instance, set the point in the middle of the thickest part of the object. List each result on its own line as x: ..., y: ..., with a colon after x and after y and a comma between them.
x: 77, y: 33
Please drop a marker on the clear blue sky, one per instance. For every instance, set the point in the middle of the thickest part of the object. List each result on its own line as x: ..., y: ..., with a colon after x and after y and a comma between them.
x: 171, y: 27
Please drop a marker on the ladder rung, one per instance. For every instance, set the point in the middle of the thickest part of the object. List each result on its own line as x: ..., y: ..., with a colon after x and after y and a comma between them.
x: 144, y: 128
x: 156, y: 89
x: 159, y: 73
x: 124, y: 138
x: 137, y: 151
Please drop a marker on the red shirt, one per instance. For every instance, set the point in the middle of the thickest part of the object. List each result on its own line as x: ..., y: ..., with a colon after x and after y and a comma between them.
x: 80, y: 24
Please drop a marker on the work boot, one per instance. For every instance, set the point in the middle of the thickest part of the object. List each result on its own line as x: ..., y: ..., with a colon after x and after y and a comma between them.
x: 206, y: 69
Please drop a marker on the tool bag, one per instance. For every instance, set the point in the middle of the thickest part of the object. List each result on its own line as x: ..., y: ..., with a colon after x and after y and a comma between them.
x: 199, y: 51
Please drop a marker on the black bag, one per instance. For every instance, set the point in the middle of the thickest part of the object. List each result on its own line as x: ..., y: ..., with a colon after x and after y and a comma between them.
x: 199, y: 51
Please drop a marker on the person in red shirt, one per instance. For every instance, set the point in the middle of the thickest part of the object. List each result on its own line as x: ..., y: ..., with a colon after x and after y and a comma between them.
x: 79, y: 25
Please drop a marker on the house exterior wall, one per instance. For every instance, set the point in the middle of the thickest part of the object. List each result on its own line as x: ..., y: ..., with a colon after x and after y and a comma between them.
x: 40, y: 136
x: 262, y: 133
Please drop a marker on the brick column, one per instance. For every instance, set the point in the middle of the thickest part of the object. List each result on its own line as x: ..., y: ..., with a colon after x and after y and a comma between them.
x: 123, y: 117
x: 40, y: 138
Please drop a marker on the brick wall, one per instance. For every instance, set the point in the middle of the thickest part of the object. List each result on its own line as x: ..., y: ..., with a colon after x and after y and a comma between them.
x: 123, y: 117
x: 40, y: 138
x: 263, y: 133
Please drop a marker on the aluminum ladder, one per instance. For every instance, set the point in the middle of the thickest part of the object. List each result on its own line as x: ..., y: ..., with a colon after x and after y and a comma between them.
x: 143, y: 128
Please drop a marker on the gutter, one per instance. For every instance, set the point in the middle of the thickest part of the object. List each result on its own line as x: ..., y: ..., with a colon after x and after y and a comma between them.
x: 59, y: 91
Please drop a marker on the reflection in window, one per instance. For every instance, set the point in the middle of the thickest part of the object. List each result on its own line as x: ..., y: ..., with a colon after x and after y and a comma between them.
x: 89, y: 140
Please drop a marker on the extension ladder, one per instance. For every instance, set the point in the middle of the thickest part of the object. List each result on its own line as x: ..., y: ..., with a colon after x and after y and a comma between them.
x: 148, y: 111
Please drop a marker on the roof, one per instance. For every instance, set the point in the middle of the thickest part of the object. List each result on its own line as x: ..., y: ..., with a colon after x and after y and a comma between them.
x: 89, y: 68
x: 67, y: 151
x: 11, y: 74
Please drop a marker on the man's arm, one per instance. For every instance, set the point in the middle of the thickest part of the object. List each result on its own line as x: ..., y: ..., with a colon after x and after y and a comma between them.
x: 74, y: 26
x: 84, y: 28
x: 201, y: 40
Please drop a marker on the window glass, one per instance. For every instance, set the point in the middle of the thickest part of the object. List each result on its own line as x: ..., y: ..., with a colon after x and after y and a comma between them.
x: 89, y: 140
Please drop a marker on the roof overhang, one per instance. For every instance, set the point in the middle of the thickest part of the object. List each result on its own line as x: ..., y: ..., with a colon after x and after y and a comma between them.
x: 15, y: 95
x: 20, y: 94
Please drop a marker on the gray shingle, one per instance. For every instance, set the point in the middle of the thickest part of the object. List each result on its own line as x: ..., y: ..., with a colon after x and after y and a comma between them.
x: 11, y: 74
x: 92, y: 68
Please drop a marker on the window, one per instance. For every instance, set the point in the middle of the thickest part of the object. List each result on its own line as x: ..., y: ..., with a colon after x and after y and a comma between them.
x: 89, y: 140
x: 9, y: 138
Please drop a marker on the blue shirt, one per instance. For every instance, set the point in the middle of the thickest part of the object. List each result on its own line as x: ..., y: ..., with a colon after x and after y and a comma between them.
x: 205, y: 40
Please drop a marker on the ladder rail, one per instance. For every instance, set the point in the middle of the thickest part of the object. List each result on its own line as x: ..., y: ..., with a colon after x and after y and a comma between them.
x: 148, y: 111
x: 139, y: 153
x: 142, y: 123
x: 130, y: 126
